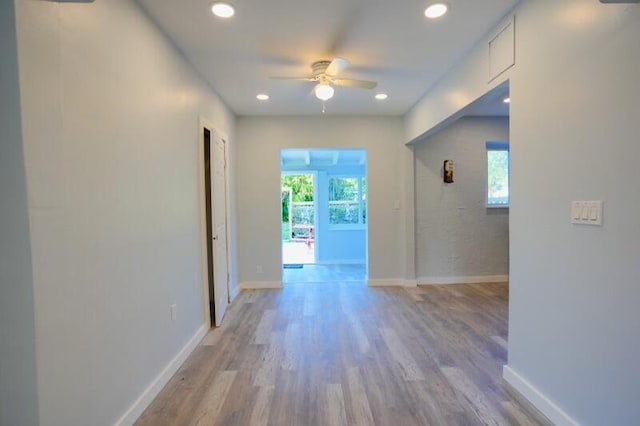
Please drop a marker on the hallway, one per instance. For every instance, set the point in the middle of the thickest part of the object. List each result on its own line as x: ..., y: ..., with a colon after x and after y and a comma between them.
x: 335, y: 354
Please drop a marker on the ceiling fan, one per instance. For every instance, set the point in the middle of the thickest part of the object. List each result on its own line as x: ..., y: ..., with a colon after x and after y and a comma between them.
x: 325, y: 74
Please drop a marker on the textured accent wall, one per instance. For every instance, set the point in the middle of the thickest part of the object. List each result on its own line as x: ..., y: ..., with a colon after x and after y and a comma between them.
x: 456, y: 235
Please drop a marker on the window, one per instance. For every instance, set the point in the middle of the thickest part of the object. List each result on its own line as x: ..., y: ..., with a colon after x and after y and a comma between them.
x: 347, y: 201
x: 497, y: 174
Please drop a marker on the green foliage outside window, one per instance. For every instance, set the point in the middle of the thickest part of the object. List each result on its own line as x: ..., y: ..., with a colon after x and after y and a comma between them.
x: 498, y: 177
x: 347, y: 201
x: 301, y: 189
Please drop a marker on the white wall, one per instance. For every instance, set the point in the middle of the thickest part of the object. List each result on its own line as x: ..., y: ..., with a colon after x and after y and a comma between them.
x: 18, y: 391
x: 575, y: 127
x: 458, y: 88
x: 456, y: 235
x: 574, y: 324
x: 110, y: 125
x: 260, y: 140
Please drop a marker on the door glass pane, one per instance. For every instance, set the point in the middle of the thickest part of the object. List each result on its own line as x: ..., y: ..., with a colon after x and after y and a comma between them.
x: 343, y: 201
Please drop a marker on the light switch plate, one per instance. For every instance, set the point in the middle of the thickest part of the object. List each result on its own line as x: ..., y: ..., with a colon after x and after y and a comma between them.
x: 576, y: 209
x: 586, y: 213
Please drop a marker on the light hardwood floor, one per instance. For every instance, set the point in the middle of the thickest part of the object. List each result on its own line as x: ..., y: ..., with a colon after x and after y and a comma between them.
x: 325, y: 274
x: 347, y: 354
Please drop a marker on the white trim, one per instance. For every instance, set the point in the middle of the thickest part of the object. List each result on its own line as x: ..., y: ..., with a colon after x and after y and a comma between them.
x: 143, y: 401
x: 202, y: 124
x: 390, y: 282
x: 317, y: 231
x: 500, y: 146
x: 360, y: 226
x: 261, y: 285
x: 539, y: 400
x: 204, y: 273
x: 235, y: 291
x: 463, y: 280
x: 410, y: 283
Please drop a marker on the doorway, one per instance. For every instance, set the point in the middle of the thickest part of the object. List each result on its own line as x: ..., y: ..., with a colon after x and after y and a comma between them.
x: 214, y: 166
x: 324, y: 215
x: 298, y: 219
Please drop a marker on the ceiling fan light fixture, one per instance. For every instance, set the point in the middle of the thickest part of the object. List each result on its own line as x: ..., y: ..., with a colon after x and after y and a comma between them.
x: 436, y: 10
x: 223, y: 10
x: 324, y: 92
x: 382, y: 96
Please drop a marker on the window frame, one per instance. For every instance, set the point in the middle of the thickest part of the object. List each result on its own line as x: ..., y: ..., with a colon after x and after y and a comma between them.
x: 361, y: 209
x: 498, y: 146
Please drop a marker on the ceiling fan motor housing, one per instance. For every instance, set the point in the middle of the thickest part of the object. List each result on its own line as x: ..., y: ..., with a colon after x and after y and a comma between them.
x: 319, y: 68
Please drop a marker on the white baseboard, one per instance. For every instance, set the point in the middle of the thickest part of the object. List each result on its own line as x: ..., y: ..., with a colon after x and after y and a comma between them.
x: 554, y: 413
x: 410, y: 283
x: 390, y: 282
x: 261, y: 285
x: 235, y: 291
x: 143, y: 401
x: 463, y: 280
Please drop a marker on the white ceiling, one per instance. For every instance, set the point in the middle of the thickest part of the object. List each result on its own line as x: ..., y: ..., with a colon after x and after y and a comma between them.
x: 387, y: 41
x: 318, y: 158
x: 490, y: 104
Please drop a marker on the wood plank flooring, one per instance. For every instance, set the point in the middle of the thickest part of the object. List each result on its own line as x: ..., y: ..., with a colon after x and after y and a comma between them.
x: 325, y: 273
x: 347, y: 354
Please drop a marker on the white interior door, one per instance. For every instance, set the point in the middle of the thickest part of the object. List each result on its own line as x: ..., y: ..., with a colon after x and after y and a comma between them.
x: 219, y: 225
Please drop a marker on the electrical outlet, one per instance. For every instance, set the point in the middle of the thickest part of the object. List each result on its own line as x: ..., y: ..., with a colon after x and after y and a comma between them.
x: 172, y: 311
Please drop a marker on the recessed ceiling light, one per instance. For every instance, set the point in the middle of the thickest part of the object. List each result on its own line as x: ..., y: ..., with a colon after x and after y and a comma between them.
x: 262, y: 97
x: 507, y: 100
x: 436, y: 10
x: 223, y: 10
x: 381, y: 96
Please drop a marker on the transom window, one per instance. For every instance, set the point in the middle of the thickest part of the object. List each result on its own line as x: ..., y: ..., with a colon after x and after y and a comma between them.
x: 348, y: 201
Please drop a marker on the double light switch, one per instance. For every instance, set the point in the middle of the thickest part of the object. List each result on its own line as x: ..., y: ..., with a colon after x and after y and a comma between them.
x: 586, y: 212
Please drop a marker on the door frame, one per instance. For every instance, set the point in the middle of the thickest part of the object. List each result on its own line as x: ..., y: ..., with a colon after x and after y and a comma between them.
x: 203, y: 124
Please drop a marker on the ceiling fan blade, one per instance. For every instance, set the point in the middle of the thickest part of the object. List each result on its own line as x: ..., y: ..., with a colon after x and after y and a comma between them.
x: 294, y: 78
x: 336, y: 66
x: 363, y: 84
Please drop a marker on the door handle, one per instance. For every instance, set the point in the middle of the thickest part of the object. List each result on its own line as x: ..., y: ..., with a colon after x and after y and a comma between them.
x: 215, y: 238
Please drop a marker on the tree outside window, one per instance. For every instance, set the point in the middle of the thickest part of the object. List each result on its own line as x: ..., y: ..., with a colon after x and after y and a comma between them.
x: 347, y: 201
x: 497, y: 174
